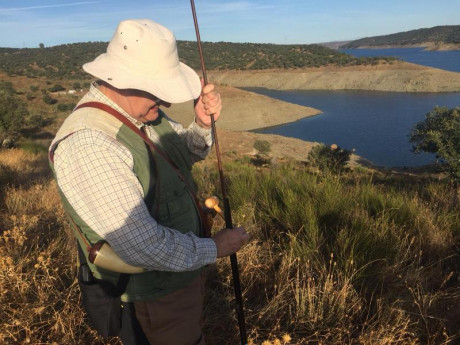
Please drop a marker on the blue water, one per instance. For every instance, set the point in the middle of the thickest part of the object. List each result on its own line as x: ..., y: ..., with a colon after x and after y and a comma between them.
x: 376, y: 124
x: 448, y: 60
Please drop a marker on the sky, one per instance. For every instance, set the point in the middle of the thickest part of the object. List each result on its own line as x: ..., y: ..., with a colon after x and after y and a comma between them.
x: 27, y: 23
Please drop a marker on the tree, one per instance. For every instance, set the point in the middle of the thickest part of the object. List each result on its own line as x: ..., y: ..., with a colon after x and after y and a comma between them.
x: 12, y: 113
x: 439, y: 133
x: 41, y: 45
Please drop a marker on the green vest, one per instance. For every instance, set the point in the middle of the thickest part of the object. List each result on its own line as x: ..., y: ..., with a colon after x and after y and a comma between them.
x: 173, y: 205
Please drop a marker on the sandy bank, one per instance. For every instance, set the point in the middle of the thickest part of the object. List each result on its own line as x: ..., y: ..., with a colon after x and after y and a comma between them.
x: 244, y: 111
x: 432, y: 46
x: 399, y: 76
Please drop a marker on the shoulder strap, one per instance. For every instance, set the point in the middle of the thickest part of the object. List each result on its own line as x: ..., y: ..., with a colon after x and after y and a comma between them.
x: 151, y: 145
x: 124, y: 120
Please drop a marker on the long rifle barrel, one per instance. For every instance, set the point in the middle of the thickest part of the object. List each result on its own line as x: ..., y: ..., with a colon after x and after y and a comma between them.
x: 227, y: 211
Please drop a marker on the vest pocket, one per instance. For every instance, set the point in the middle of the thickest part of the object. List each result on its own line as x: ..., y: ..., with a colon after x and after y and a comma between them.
x: 174, y: 203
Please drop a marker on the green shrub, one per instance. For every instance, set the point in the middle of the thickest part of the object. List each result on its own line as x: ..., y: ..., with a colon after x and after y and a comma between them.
x: 263, y: 146
x: 66, y: 106
x: 56, y: 88
x: 333, y: 158
x: 12, y: 113
x: 36, y: 121
x: 7, y: 87
x: 49, y: 100
x: 30, y: 96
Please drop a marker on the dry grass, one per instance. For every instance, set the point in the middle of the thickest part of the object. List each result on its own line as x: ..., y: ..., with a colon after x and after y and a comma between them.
x: 356, y: 263
x: 38, y: 291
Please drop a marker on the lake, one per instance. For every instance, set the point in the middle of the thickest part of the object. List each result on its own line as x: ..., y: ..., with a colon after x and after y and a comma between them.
x: 448, y: 60
x: 376, y: 124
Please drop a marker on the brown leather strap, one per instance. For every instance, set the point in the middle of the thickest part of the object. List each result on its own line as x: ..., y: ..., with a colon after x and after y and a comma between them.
x: 132, y: 126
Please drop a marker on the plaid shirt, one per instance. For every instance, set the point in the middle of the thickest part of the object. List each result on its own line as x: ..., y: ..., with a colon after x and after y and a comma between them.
x: 96, y: 175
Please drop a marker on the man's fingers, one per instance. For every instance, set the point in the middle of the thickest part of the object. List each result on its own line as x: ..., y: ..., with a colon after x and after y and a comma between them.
x: 244, y: 234
x: 207, y: 88
x: 229, y: 241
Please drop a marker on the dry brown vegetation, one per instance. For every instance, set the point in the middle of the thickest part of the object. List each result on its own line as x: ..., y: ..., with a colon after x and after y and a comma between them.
x: 39, y: 293
x: 383, y: 271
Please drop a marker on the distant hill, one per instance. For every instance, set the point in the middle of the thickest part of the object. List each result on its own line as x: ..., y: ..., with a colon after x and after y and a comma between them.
x: 436, y: 35
x: 65, y: 61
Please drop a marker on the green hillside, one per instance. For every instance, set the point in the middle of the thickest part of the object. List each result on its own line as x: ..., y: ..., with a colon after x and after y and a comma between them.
x: 439, y: 34
x: 65, y: 61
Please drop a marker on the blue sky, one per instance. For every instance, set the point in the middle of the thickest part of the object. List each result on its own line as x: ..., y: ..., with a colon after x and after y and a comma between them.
x: 26, y: 23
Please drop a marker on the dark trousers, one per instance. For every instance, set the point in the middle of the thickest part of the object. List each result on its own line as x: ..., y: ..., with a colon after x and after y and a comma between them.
x: 174, y: 319
x: 131, y: 331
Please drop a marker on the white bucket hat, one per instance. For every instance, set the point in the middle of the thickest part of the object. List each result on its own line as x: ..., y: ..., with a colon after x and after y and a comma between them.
x: 143, y: 55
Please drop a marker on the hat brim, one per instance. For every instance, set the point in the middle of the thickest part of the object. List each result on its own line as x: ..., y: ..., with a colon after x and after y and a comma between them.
x: 184, y: 84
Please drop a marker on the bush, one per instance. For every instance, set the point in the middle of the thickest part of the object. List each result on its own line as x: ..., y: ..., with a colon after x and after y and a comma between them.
x: 331, y: 158
x: 30, y: 96
x: 263, y: 146
x: 49, y: 100
x: 439, y: 133
x: 66, y: 106
x: 7, y: 87
x: 56, y: 88
x: 12, y: 113
x: 36, y: 121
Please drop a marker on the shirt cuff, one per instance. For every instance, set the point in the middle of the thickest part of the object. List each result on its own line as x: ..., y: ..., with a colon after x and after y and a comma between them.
x: 205, y: 133
x: 208, y: 248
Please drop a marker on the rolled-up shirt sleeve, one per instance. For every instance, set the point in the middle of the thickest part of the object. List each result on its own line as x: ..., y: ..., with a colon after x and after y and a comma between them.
x: 198, y: 140
x: 95, y: 173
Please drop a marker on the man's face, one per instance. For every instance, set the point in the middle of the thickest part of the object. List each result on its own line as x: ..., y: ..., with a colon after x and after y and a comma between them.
x: 142, y: 105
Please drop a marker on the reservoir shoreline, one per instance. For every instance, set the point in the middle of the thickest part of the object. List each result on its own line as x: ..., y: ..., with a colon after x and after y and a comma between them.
x: 244, y: 110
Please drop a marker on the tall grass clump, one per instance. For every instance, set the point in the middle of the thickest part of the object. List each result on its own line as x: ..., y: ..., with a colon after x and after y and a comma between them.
x: 350, y: 258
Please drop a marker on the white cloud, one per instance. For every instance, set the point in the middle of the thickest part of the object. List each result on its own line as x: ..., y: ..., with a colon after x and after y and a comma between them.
x: 13, y: 9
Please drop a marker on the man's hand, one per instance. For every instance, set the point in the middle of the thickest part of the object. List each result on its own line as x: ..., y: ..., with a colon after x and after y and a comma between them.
x: 229, y: 241
x: 208, y: 103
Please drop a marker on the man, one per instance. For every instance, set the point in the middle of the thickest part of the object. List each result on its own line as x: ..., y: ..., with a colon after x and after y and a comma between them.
x: 123, y: 171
